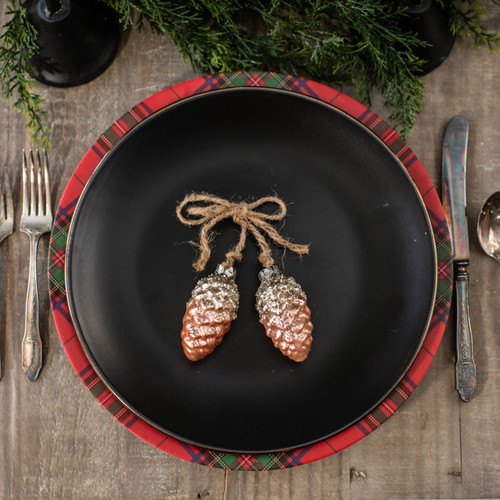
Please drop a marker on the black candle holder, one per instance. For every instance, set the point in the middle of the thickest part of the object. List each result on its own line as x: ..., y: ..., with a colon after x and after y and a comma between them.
x: 430, y: 22
x: 77, y: 40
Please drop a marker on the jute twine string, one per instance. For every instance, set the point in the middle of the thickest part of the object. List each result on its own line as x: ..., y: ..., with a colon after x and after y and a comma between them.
x: 207, y: 210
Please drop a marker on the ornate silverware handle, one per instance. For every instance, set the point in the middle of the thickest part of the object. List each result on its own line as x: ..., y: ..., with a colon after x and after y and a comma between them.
x: 32, y: 342
x: 465, y: 368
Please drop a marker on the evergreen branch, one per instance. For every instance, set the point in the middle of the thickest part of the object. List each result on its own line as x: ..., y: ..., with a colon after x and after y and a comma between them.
x: 341, y: 41
x: 18, y: 44
x: 467, y: 22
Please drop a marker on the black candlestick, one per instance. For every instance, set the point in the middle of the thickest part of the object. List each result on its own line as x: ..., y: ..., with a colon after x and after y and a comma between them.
x: 430, y: 22
x: 53, y: 5
x: 78, y: 40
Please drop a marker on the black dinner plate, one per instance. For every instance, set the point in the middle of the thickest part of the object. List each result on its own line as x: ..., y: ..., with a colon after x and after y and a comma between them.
x: 370, y: 277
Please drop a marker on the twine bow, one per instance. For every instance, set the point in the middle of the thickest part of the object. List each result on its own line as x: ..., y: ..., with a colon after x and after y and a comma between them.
x: 207, y: 210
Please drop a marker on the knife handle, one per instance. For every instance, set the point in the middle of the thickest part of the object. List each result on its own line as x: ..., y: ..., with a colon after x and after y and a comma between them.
x: 465, y: 368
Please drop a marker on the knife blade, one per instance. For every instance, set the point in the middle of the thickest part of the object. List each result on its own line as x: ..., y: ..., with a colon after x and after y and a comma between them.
x: 454, y: 162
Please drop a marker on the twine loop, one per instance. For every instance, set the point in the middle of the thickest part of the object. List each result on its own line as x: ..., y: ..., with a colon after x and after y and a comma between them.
x: 207, y: 210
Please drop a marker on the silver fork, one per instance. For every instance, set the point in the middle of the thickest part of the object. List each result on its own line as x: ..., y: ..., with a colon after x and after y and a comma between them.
x: 6, y: 219
x: 36, y: 219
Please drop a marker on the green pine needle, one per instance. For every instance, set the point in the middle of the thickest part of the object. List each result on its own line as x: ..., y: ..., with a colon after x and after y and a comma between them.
x: 18, y: 44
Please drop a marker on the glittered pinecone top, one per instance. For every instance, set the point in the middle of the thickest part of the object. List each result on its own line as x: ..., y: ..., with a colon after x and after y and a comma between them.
x: 283, y: 310
x: 209, y: 313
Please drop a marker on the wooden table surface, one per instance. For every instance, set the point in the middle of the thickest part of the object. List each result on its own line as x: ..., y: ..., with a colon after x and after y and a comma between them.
x: 57, y: 442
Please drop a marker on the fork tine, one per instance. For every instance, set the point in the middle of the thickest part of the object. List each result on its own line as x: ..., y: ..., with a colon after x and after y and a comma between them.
x: 48, y: 202
x: 25, y: 184
x: 9, y: 205
x: 32, y: 184
x: 39, y: 184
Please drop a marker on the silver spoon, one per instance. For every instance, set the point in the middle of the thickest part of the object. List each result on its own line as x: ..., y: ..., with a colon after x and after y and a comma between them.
x: 488, y: 226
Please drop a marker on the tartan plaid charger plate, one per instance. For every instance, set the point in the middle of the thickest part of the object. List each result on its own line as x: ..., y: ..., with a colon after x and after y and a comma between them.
x: 133, y: 422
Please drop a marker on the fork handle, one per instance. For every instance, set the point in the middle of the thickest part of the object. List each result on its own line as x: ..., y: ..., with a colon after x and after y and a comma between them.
x: 32, y: 342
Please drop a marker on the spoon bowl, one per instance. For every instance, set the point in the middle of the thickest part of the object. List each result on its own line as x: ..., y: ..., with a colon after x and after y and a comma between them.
x: 488, y: 226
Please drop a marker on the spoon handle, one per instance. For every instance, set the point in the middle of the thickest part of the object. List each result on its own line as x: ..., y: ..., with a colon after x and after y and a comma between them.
x: 465, y: 368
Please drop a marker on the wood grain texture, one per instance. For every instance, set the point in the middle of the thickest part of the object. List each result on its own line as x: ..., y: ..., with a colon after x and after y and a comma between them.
x: 57, y: 442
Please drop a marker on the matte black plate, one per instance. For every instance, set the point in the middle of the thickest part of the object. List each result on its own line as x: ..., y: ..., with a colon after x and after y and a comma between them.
x: 370, y: 276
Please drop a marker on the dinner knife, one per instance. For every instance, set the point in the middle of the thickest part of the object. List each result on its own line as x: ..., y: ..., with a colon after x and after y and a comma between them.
x: 454, y: 161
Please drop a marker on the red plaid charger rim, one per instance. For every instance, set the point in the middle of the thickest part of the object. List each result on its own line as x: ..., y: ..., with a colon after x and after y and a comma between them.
x: 126, y: 417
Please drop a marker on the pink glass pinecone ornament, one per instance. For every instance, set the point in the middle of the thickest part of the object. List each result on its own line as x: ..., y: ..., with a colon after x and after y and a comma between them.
x: 283, y: 310
x: 209, y: 313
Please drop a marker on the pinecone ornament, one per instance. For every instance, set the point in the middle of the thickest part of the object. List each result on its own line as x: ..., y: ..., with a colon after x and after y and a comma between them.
x: 282, y: 307
x: 209, y: 313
